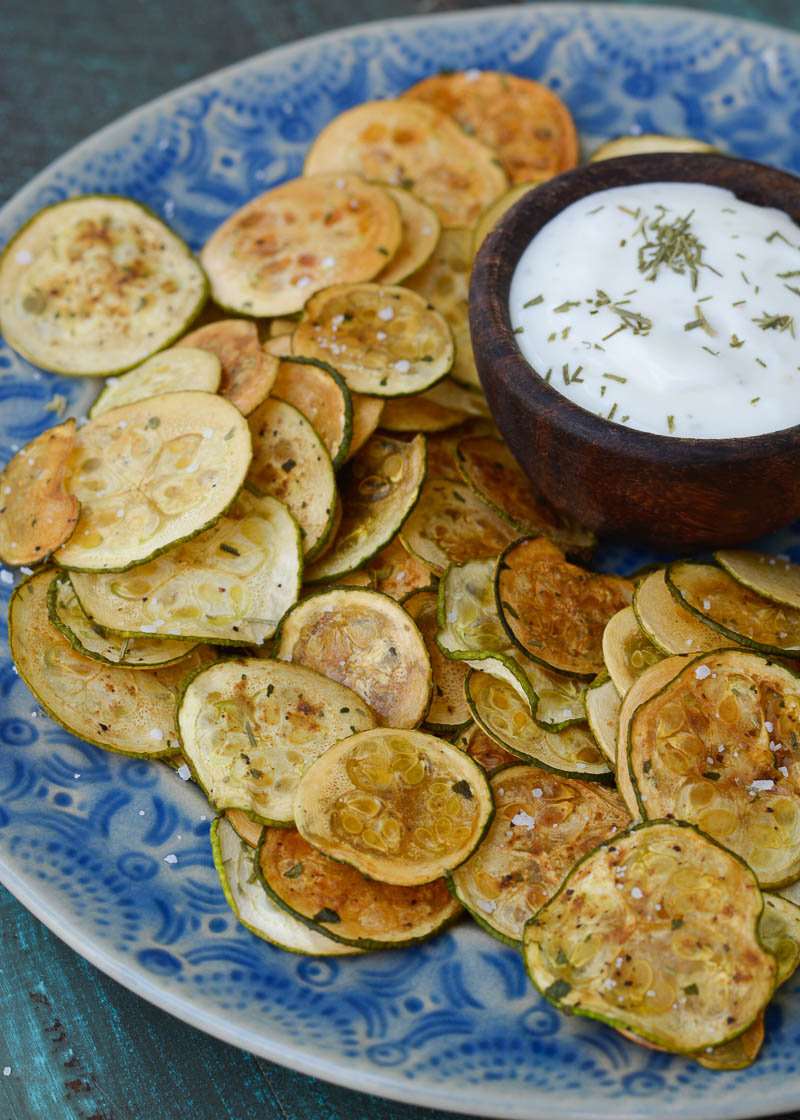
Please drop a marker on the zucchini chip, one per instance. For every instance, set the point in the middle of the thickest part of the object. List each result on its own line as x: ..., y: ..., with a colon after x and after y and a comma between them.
x: 291, y: 463
x: 251, y: 727
x: 656, y: 933
x: 126, y: 711
x: 234, y: 861
x: 378, y: 488
x: 171, y: 371
x: 627, y: 651
x: 774, y: 577
x: 495, y: 475
x: 367, y: 413
x: 542, y: 826
x: 779, y: 929
x: 529, y: 125
x: 492, y: 214
x: 68, y: 616
x: 719, y: 746
x: 37, y: 515
x: 230, y: 585
x: 246, y: 829
x: 450, y: 524
x: 366, y: 641
x: 488, y: 754
x: 338, y: 901
x: 666, y: 622
x: 95, y: 285
x: 450, y: 394
x: 602, y: 703
x: 319, y: 392
x: 421, y: 229
x: 309, y: 233
x: 402, y: 807
x: 416, y: 414
x: 498, y: 708
x: 385, y: 341
x: 449, y: 710
x: 553, y: 611
x: 733, y: 610
x: 418, y: 146
x: 442, y: 446
x: 444, y: 282
x: 150, y: 475
x: 248, y: 372
x: 397, y: 573
x: 647, y: 142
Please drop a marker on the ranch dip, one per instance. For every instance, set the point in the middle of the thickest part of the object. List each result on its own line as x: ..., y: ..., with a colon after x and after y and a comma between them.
x: 668, y: 307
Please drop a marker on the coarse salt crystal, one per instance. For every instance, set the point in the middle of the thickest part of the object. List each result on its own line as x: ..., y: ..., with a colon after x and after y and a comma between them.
x: 636, y: 892
x: 402, y: 365
x: 156, y: 733
x: 386, y: 313
x: 24, y: 256
x: 472, y: 75
x: 761, y: 784
x: 6, y: 577
x: 302, y: 282
x: 701, y: 672
x: 784, y: 770
x: 141, y: 812
x: 207, y: 433
x: 537, y: 792
x: 706, y: 604
x: 171, y: 858
x: 524, y: 820
x: 7, y: 1069
x: 328, y: 262
x: 487, y: 905
x: 768, y: 725
x: 184, y: 772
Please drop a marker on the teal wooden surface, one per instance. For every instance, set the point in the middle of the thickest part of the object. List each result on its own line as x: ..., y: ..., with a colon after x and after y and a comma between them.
x: 74, y: 1045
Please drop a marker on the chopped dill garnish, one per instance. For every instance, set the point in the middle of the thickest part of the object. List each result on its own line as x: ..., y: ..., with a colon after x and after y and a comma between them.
x: 777, y: 233
x: 596, y: 210
x: 534, y: 301
x: 566, y: 305
x: 613, y: 410
x: 764, y: 364
x: 615, y: 377
x: 672, y: 245
x: 755, y: 400
x: 788, y: 275
x: 671, y: 423
x: 700, y: 321
x: 713, y: 353
x: 769, y: 322
x: 736, y: 342
x: 795, y: 291
x: 519, y: 330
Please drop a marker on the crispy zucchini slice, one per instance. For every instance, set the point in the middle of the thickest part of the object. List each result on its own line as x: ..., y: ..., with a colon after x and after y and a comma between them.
x: 171, y: 371
x: 341, y: 903
x: 543, y: 824
x: 733, y: 610
x: 451, y: 394
x: 150, y: 475
x: 378, y: 488
x: 234, y: 861
x: 417, y: 146
x: 306, y: 234
x: 448, y: 710
x: 94, y: 285
x: 488, y: 466
x: 553, y: 611
x: 719, y: 746
x: 647, y: 142
x: 666, y: 622
x: 320, y: 393
x: 366, y: 641
x: 230, y: 585
x: 529, y: 126
x: 421, y: 229
x: 488, y: 754
x: 248, y: 372
x: 126, y: 711
x: 401, y: 806
x: 68, y: 616
x: 450, y: 524
x: 385, y: 340
x: 492, y: 214
x: 416, y: 414
x: 397, y: 573
x: 627, y: 651
x: 656, y: 933
x: 37, y: 514
x: 774, y: 577
x: 367, y: 413
x: 499, y: 709
x: 444, y: 282
x: 603, y: 704
x: 779, y: 929
x: 291, y: 462
x: 246, y: 829
x: 251, y: 727
x: 442, y: 446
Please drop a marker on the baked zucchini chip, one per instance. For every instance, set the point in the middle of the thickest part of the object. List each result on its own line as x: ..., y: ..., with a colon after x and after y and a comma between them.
x: 416, y: 414
x: 553, y: 611
x: 309, y: 233
x: 320, y: 393
x: 666, y: 622
x: 397, y: 573
x: 602, y: 704
x: 742, y: 616
x: 384, y: 340
x: 449, y: 710
x: 235, y: 864
x: 246, y: 828
x: 171, y: 371
x: 251, y: 727
x: 367, y: 413
x: 451, y: 524
x: 779, y: 928
x: 417, y: 146
x: 123, y: 710
x: 366, y: 641
x: 627, y: 651
x: 339, y: 902
x: 488, y: 754
x: 451, y: 394
x: 150, y: 475
x: 442, y: 445
x: 85, y: 636
x: 401, y: 806
x: 647, y: 142
x: 774, y: 577
x: 230, y: 585
x: 421, y: 229
x: 492, y: 214
x: 542, y: 826
x: 37, y: 514
x: 656, y: 933
x: 248, y: 372
x: 95, y: 285
x: 719, y: 746
x: 502, y: 713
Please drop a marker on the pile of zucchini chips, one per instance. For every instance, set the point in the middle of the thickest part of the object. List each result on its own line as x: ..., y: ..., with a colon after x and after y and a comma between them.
x: 288, y: 554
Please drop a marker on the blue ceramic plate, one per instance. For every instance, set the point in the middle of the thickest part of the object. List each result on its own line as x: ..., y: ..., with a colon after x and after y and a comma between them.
x: 84, y: 835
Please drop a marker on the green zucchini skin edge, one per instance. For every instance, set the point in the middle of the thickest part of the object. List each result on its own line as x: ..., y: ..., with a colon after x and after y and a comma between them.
x: 618, y: 1023
x: 347, y: 428
x: 451, y: 886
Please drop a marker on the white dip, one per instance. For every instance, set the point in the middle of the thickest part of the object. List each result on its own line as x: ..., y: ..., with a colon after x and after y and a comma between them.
x: 668, y: 307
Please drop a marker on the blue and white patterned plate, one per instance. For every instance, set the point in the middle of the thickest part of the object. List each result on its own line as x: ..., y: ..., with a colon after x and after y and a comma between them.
x: 85, y: 836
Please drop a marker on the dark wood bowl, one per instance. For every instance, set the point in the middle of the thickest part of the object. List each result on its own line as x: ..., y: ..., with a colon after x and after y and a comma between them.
x: 657, y: 490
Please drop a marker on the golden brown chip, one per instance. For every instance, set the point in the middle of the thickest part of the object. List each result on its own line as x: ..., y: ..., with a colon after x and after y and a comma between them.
x: 397, y: 572
x: 487, y: 753
x: 248, y: 373
x: 449, y: 708
x: 416, y: 414
x: 37, y: 515
x: 367, y: 412
x: 450, y: 524
x: 322, y: 397
x: 421, y: 229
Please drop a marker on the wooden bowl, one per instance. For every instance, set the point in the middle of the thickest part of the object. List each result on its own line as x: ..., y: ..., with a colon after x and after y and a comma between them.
x: 657, y: 490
